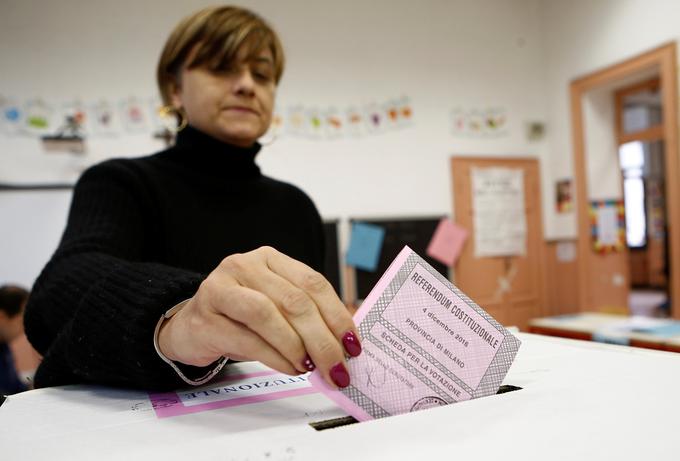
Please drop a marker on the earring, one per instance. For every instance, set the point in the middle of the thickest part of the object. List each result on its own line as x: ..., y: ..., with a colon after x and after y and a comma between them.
x: 273, y: 132
x: 179, y: 113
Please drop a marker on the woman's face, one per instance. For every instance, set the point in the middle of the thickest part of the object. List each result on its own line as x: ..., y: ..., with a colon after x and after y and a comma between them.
x: 234, y: 105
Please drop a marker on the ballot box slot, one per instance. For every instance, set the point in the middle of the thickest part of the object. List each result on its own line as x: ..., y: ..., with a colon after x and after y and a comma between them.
x: 333, y: 423
x: 505, y: 388
x: 347, y: 420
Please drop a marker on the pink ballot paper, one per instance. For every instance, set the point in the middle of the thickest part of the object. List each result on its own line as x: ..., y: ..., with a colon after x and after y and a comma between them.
x: 424, y: 344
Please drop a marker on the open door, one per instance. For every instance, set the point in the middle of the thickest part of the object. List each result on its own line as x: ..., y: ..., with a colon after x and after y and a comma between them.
x: 661, y: 64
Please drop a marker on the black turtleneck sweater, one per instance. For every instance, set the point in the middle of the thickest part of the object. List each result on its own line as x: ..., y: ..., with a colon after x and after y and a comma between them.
x: 141, y: 236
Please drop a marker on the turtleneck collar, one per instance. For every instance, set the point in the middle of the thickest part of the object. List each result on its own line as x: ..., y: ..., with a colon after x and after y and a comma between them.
x: 199, y: 151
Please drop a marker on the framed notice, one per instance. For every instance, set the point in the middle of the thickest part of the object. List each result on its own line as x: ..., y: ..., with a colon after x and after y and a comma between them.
x: 607, y: 225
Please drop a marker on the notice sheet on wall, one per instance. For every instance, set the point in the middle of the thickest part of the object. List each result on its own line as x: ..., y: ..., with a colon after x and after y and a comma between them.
x: 499, y: 217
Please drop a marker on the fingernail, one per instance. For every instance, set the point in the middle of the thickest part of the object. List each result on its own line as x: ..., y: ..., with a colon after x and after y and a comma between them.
x: 351, y: 343
x: 339, y: 375
x: 308, y: 364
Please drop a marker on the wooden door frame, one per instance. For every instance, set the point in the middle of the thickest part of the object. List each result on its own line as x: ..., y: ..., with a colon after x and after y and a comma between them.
x: 664, y: 60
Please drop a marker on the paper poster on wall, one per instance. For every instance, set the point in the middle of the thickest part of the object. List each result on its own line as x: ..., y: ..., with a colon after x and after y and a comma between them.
x: 608, y: 225
x: 405, y: 112
x: 334, y: 124
x: 564, y: 201
x: 447, y: 242
x: 33, y: 127
x: 365, y: 246
x: 12, y: 119
x: 103, y: 119
x: 479, y: 122
x: 134, y: 114
x: 39, y: 118
x: 314, y: 121
x: 374, y: 116
x: 72, y: 119
x: 499, y: 218
x: 354, y: 120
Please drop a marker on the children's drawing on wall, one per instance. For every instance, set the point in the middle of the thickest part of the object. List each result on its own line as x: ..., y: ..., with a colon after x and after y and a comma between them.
x: 70, y: 134
x: 608, y: 225
x: 334, y: 124
x: 315, y: 124
x: 134, y: 115
x: 479, y: 123
x: 32, y: 127
x: 103, y: 119
x: 376, y: 118
x: 12, y: 116
x: 354, y: 121
x: 295, y: 123
x: 39, y: 117
x: 564, y: 201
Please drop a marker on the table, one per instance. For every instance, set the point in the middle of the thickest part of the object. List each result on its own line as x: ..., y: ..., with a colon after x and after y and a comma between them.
x: 579, y: 400
x: 636, y: 331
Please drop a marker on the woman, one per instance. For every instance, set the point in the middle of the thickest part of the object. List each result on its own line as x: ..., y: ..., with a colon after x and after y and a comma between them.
x: 125, y: 300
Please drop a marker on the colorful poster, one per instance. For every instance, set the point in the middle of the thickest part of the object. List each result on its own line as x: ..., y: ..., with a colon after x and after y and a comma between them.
x: 334, y: 124
x: 296, y: 125
x: 12, y: 116
x: 607, y: 225
x: 39, y: 118
x: 374, y: 117
x: 479, y: 123
x: 355, y: 122
x: 564, y: 197
x: 103, y: 119
x: 315, y: 123
x: 73, y: 120
x: 134, y: 115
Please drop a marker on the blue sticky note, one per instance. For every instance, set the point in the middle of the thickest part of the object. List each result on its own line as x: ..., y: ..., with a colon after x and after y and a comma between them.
x: 364, y: 246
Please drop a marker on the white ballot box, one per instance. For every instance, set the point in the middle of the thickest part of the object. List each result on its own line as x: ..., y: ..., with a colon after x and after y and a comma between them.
x: 578, y: 400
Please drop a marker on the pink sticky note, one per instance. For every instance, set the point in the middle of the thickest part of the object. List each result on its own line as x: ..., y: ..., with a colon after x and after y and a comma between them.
x: 447, y: 242
x: 425, y: 344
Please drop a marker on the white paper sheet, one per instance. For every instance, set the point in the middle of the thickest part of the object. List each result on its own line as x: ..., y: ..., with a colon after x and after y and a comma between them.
x: 498, y: 212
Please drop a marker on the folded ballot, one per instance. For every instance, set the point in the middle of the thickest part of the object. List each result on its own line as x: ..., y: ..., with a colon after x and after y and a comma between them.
x: 425, y: 344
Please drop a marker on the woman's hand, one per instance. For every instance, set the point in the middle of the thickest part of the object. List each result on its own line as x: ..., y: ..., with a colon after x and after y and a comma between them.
x: 264, y: 306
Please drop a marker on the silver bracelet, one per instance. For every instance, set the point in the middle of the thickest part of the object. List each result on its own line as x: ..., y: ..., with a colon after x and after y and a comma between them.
x: 194, y: 382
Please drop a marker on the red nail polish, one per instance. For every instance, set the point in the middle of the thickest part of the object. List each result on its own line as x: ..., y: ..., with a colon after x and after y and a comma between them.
x: 308, y: 364
x: 351, y: 343
x: 339, y: 375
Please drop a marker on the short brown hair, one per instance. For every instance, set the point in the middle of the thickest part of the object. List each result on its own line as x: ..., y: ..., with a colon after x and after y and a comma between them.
x: 219, y: 32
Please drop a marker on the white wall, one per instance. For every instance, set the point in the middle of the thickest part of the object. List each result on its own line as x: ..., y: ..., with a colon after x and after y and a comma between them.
x: 580, y: 37
x: 601, y: 150
x: 32, y: 224
x: 442, y: 55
